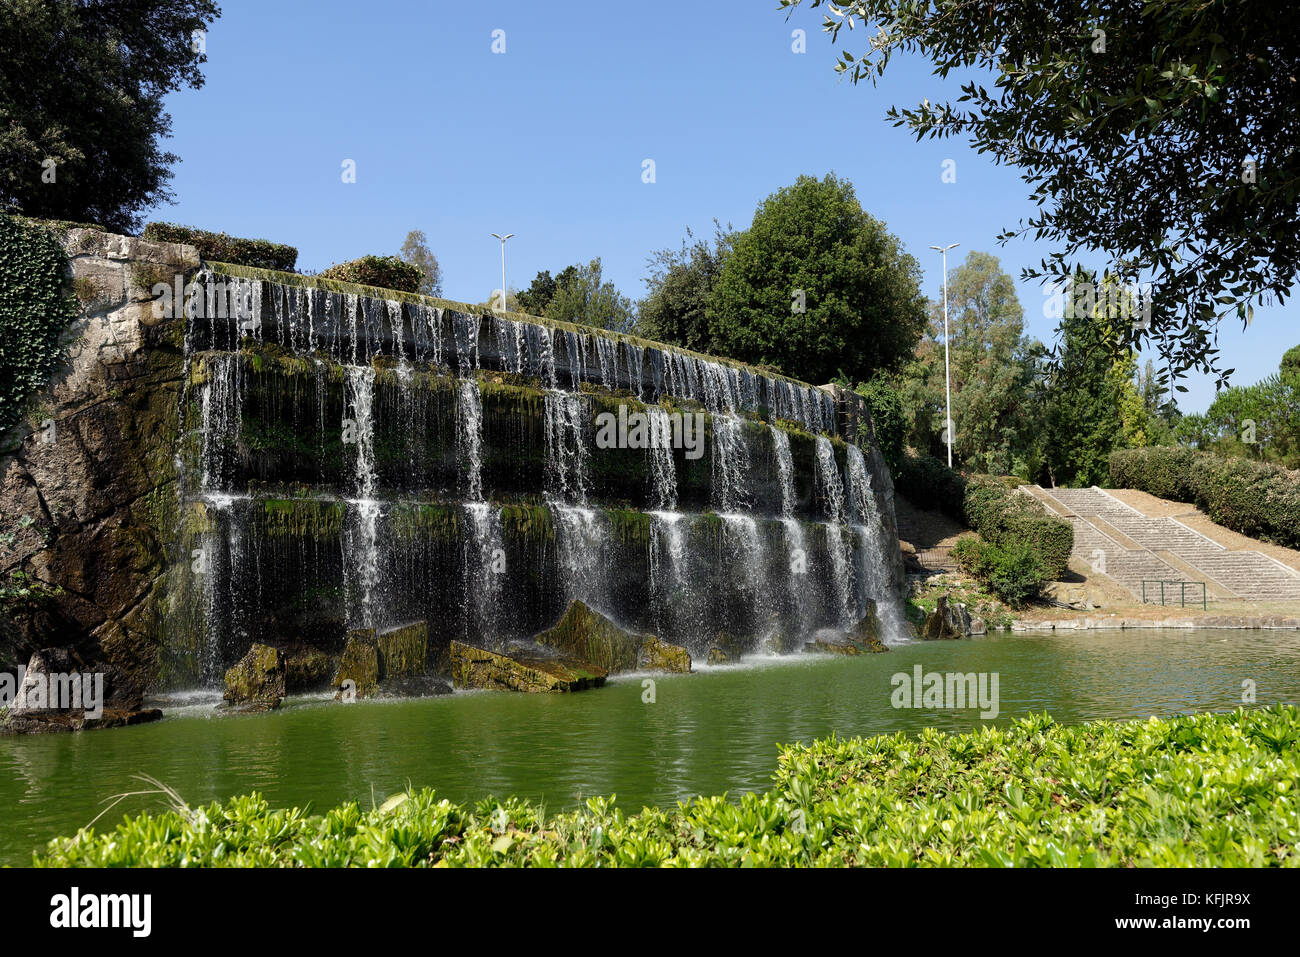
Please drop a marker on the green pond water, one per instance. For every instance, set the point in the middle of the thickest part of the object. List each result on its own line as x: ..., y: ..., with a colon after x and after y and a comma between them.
x: 713, y: 731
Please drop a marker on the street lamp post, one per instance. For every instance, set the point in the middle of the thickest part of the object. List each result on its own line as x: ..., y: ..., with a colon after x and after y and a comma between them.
x: 503, y: 267
x: 947, y: 381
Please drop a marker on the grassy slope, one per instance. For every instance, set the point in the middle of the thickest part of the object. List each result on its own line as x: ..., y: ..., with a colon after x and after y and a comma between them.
x: 1209, y: 789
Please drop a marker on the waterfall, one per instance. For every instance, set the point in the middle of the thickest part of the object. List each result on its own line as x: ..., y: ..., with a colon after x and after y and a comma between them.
x: 566, y: 446
x: 361, y: 540
x: 832, y: 487
x: 730, y: 464
x: 222, y: 402
x: 796, y: 553
x: 484, y: 568
x: 626, y: 533
x: 469, y: 438
x: 873, y: 550
x: 663, y: 473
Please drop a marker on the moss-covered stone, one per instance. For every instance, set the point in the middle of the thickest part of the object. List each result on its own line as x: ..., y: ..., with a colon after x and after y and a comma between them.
x: 403, y: 650
x: 358, y: 672
x: 308, y: 669
x: 257, y: 682
x: 479, y: 668
x: 588, y: 635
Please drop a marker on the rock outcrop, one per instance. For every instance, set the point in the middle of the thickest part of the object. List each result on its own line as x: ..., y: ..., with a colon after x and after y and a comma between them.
x: 57, y: 691
x: 88, y: 482
x: 586, y: 635
x: 257, y: 681
x: 479, y: 668
x: 948, y: 620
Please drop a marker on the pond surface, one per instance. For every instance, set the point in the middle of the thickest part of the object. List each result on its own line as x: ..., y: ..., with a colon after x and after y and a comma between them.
x: 706, y: 733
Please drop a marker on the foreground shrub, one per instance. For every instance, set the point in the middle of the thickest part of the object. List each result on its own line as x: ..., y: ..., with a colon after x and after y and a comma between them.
x: 384, y: 272
x: 1013, y: 571
x: 221, y: 248
x: 1253, y: 498
x: 1197, y: 791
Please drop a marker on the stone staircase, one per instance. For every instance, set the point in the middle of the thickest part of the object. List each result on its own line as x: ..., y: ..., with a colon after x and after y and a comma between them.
x: 1226, y: 573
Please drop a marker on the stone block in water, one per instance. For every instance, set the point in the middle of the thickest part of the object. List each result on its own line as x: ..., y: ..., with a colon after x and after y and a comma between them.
x: 588, y: 635
x: 257, y: 682
x: 479, y: 668
x: 359, y: 663
x: 403, y: 650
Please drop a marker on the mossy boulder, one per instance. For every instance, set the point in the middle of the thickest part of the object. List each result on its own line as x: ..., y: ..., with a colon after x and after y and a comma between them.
x: 949, y: 620
x: 358, y: 672
x: 521, y: 671
x: 308, y: 669
x: 726, y: 648
x: 867, y: 631
x: 257, y: 681
x: 587, y: 635
x: 403, y: 650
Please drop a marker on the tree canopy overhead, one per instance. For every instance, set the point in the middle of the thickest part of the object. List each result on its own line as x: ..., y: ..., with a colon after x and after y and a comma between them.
x: 1159, y: 134
x: 81, y: 103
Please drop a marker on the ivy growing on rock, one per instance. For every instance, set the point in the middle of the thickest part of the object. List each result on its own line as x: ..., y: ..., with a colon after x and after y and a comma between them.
x: 34, y: 309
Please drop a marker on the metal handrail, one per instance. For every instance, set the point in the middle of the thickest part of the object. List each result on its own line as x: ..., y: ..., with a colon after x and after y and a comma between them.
x: 1182, y: 590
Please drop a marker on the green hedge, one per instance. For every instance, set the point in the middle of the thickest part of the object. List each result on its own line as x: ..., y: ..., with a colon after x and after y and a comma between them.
x: 1034, y: 793
x: 1253, y: 498
x: 1003, y: 515
x: 1013, y: 571
x: 34, y: 310
x: 385, y: 272
x: 989, y: 505
x: 221, y: 248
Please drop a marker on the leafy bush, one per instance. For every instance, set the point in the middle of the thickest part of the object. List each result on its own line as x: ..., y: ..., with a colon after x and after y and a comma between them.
x: 221, y: 248
x: 1253, y: 498
x: 887, y: 418
x: 384, y: 272
x: 1035, y: 793
x: 34, y: 310
x: 1012, y: 571
x: 990, y: 505
x: 1003, y: 515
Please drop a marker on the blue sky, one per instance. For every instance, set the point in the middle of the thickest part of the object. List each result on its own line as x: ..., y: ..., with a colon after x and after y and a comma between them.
x: 548, y: 139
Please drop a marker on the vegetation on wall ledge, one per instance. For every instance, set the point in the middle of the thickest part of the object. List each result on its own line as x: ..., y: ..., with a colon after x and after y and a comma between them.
x: 34, y: 310
x: 386, y: 272
x: 219, y: 247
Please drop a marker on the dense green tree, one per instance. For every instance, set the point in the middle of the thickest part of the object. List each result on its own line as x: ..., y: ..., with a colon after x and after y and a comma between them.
x: 1161, y: 134
x: 816, y: 287
x: 582, y: 294
x: 990, y: 370
x: 680, y: 287
x: 81, y: 103
x: 1091, y: 404
x: 415, y: 250
x: 888, y: 417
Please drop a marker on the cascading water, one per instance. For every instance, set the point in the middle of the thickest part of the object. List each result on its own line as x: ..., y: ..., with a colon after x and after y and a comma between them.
x: 362, y: 538
x: 832, y: 488
x: 416, y: 500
